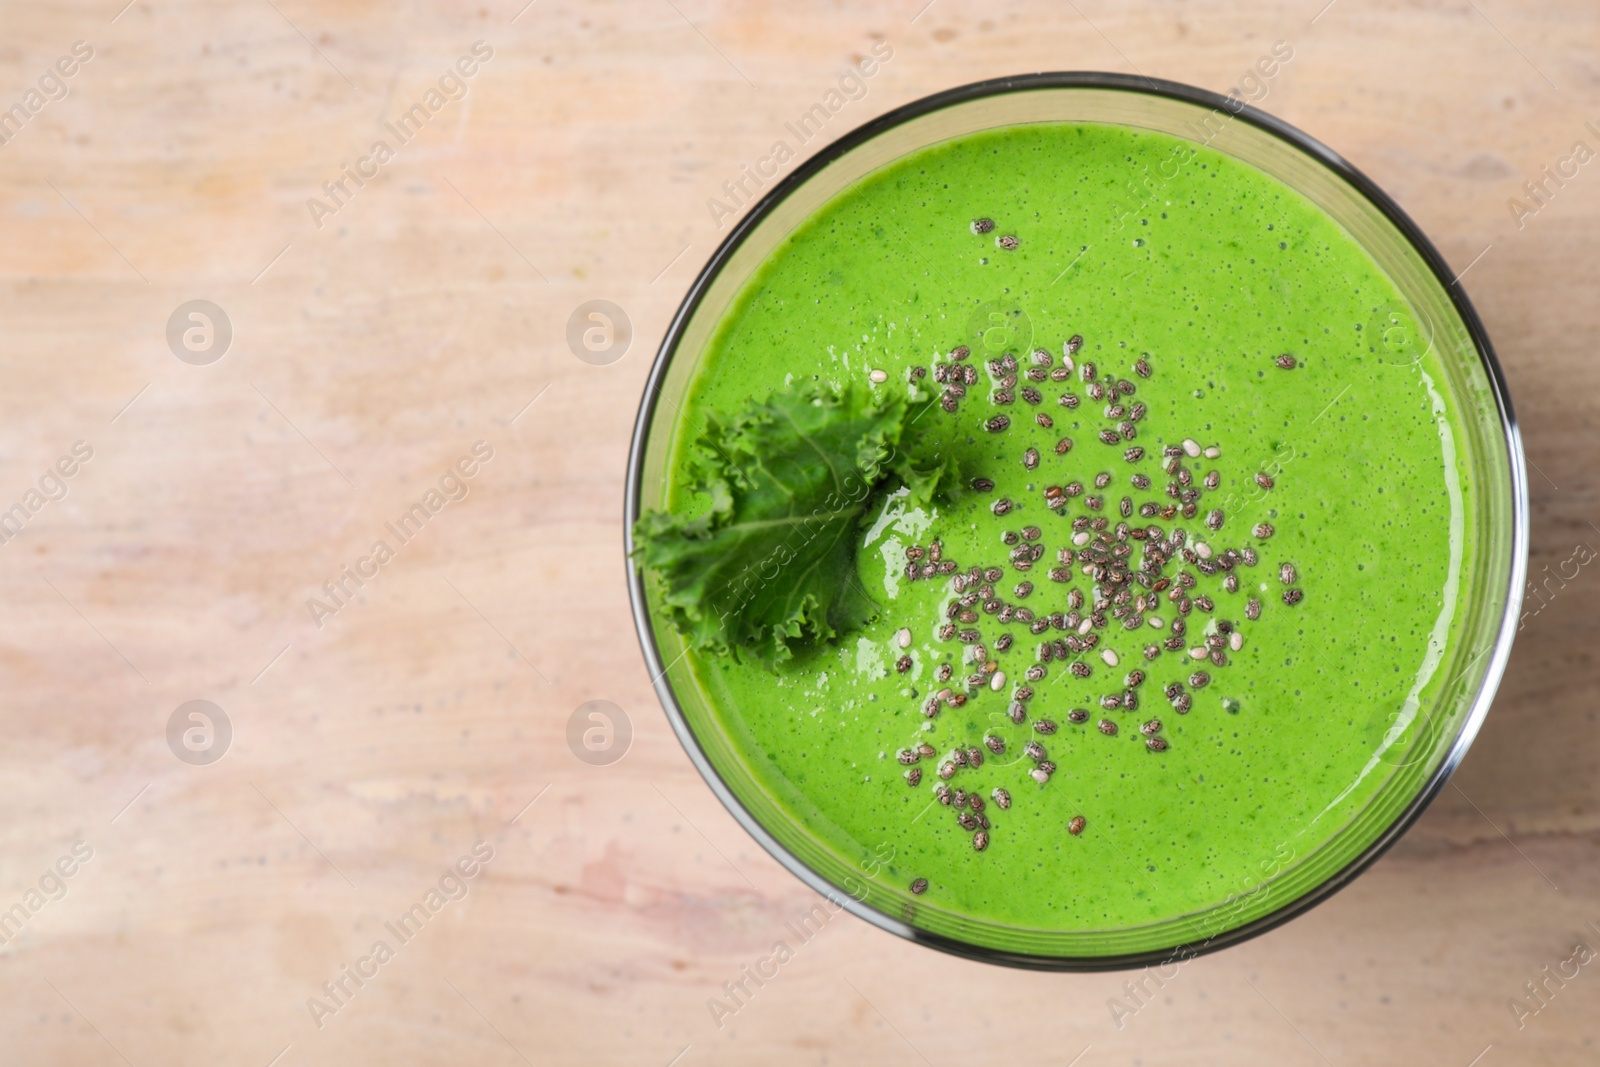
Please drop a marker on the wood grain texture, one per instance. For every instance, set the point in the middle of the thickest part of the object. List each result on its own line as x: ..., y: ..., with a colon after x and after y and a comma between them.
x: 426, y: 714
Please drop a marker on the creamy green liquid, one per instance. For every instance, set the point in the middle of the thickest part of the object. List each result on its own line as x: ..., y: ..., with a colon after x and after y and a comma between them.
x: 1212, y: 270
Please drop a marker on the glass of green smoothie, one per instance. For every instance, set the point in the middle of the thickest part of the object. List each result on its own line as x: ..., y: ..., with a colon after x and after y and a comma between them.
x: 1076, y: 521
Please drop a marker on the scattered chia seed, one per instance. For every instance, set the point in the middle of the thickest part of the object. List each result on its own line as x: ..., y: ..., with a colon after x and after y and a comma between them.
x: 1130, y: 571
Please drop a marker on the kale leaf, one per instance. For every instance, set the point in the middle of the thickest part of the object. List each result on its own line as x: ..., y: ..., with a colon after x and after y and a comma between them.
x: 792, y: 480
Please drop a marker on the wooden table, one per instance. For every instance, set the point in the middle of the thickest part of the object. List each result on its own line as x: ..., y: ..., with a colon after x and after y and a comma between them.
x: 373, y: 745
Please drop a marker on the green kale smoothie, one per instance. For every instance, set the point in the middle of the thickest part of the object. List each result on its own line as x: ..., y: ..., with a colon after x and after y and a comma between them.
x: 1208, y: 543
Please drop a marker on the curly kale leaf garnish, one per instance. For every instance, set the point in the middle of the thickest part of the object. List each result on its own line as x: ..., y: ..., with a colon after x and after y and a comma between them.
x: 771, y: 566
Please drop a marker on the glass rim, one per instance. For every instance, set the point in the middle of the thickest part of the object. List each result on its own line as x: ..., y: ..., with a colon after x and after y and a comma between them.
x: 1297, y: 139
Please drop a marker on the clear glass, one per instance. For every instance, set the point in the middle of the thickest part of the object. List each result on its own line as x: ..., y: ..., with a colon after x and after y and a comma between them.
x: 1421, y: 754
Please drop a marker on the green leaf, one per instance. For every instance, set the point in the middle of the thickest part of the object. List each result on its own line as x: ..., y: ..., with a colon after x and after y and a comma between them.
x: 771, y: 565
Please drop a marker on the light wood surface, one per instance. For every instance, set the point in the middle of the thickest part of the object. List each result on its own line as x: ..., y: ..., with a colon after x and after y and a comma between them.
x: 426, y: 715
